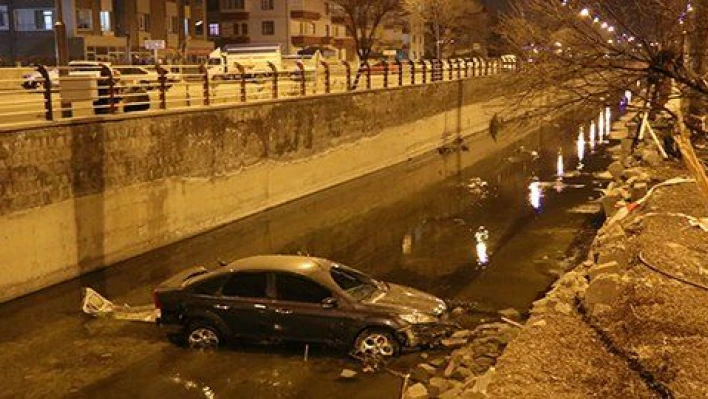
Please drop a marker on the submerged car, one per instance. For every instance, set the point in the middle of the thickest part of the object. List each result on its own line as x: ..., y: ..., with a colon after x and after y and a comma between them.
x: 294, y: 298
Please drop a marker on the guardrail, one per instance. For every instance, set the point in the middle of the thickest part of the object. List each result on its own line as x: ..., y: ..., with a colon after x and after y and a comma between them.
x: 49, y: 94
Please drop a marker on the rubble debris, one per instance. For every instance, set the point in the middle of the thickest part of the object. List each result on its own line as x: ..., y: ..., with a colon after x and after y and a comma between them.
x: 416, y: 391
x: 348, y: 374
x: 96, y: 305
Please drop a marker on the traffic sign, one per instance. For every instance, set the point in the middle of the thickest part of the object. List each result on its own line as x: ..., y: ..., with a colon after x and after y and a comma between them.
x: 155, y: 44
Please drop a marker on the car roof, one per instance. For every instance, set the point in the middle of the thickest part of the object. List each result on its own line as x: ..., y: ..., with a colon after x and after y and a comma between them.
x: 303, y: 265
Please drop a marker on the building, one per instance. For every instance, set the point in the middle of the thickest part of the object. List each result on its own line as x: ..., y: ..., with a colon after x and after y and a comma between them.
x: 297, y: 25
x: 402, y: 37
x: 110, y: 30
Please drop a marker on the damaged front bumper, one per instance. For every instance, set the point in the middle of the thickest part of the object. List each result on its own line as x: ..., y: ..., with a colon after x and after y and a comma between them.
x: 429, y: 334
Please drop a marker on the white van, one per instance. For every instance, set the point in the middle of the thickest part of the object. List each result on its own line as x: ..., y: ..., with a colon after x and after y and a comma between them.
x: 254, y: 59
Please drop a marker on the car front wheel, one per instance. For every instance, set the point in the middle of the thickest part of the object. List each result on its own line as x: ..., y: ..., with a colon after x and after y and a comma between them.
x: 376, y: 343
x: 202, y: 335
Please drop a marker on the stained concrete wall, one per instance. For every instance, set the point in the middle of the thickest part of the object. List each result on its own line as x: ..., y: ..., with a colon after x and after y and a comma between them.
x: 79, y: 196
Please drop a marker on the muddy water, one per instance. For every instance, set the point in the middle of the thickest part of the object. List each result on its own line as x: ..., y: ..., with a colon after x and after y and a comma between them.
x: 416, y: 224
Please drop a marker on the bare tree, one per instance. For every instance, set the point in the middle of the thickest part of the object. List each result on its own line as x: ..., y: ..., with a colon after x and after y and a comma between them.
x: 586, y: 52
x: 447, y: 20
x: 363, y: 19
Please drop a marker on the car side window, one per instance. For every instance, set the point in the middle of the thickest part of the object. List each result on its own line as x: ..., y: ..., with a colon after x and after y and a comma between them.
x: 246, y: 285
x: 208, y: 287
x: 299, y: 289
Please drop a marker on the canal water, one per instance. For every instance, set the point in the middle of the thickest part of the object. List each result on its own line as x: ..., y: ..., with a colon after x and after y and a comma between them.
x: 495, y: 234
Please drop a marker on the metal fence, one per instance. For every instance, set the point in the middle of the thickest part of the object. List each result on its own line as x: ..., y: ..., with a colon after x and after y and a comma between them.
x: 48, y: 95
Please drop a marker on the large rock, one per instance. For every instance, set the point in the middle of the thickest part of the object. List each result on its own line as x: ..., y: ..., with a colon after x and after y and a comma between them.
x: 609, y: 204
x: 437, y: 386
x: 651, y: 157
x: 638, y: 191
x: 423, y: 372
x: 616, y: 169
x: 417, y: 391
x: 605, y: 268
x: 605, y: 289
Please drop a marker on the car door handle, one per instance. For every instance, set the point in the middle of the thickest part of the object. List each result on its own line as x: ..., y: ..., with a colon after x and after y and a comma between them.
x: 222, y: 307
x: 283, y: 311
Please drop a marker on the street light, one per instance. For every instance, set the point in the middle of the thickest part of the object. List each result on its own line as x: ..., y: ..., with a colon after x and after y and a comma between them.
x: 584, y: 12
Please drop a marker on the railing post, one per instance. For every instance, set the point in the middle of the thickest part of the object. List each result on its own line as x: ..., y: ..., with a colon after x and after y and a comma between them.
x: 425, y: 71
x: 274, y: 69
x: 205, y: 81
x: 348, y: 69
x: 486, y: 67
x: 111, y: 88
x: 328, y: 77
x: 458, y: 62
x: 303, y: 78
x: 368, y: 75
x: 412, y: 64
x: 242, y: 74
x: 467, y: 68
x: 162, y: 82
x: 450, y: 69
x: 385, y: 71
x: 399, y: 65
x: 47, y: 86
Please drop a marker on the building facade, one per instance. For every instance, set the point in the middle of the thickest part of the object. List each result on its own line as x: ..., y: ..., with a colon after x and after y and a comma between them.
x: 107, y: 30
x: 303, y: 26
x: 299, y: 26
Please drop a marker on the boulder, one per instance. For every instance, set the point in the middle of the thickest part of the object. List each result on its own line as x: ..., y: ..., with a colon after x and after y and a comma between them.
x: 609, y: 204
x: 454, y: 393
x: 483, y: 381
x: 462, y: 334
x: 417, y: 391
x: 454, y: 342
x: 605, y: 289
x: 461, y: 373
x: 605, y: 268
x: 652, y: 158
x: 437, y: 385
x: 423, y: 372
x: 638, y: 191
x: 616, y: 169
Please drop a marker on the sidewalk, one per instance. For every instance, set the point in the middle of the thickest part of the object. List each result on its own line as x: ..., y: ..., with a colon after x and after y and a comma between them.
x: 632, y: 321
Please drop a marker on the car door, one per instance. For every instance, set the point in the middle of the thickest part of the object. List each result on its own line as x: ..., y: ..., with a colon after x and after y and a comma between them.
x: 244, y: 305
x: 299, y: 312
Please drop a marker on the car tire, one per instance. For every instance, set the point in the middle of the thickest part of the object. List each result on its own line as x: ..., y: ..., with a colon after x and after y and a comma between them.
x: 202, y: 335
x: 376, y: 342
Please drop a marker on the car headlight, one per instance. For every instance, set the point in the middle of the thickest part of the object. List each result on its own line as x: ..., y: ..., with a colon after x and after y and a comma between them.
x: 418, y: 318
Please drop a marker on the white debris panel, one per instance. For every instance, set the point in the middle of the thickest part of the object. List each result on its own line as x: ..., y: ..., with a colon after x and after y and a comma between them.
x: 96, y: 305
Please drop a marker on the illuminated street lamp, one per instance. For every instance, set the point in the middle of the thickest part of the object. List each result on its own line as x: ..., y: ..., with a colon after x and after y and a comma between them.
x: 584, y: 13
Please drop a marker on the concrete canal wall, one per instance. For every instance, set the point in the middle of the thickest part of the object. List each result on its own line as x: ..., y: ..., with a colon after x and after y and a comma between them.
x: 75, y: 197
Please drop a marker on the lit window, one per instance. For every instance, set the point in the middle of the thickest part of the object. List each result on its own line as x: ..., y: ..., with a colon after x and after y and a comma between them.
x: 32, y: 19
x: 106, y: 25
x: 84, y: 19
x: 214, y: 30
x: 4, y: 18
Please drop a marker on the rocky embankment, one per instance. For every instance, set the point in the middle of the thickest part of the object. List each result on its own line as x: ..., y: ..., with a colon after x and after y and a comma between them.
x: 629, y: 322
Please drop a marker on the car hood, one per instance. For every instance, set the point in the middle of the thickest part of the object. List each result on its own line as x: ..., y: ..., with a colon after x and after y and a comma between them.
x: 405, y: 299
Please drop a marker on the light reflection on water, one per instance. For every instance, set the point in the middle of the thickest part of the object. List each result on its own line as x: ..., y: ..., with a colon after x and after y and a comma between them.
x: 581, y: 147
x: 601, y: 128
x: 593, y: 135
x: 560, y: 166
x: 535, y: 194
x: 608, y: 121
x: 482, y: 236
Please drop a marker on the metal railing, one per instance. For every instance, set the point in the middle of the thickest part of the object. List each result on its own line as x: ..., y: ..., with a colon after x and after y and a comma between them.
x: 48, y: 94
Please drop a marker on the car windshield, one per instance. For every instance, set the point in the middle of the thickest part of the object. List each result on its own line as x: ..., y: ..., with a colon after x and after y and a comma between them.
x: 355, y: 283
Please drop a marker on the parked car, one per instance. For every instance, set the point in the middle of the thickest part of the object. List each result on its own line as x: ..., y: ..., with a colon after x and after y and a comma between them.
x: 293, y: 298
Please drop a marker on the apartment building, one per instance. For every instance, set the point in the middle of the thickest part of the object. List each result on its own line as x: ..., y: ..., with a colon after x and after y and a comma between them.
x: 110, y: 30
x: 297, y: 25
x: 304, y: 26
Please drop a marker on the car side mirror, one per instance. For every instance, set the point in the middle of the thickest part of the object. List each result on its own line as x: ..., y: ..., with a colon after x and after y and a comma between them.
x: 329, y: 303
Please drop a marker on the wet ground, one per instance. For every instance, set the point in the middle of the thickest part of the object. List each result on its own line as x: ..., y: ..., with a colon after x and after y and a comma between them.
x: 414, y: 224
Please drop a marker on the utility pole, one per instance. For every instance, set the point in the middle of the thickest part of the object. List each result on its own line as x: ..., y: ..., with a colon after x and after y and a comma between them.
x: 60, y: 39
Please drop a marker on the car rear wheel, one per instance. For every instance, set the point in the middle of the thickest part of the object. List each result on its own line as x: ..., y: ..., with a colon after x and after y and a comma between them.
x: 376, y: 343
x: 202, y: 335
